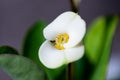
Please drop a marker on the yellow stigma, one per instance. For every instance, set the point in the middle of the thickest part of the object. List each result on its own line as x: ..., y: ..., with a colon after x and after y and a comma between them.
x: 60, y: 40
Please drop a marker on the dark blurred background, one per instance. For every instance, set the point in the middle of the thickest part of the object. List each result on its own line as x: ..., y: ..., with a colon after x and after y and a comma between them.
x: 16, y: 16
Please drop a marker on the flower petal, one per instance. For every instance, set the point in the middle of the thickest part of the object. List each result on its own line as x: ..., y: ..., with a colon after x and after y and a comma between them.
x: 50, y: 56
x: 59, y: 25
x: 74, y: 54
x: 76, y: 31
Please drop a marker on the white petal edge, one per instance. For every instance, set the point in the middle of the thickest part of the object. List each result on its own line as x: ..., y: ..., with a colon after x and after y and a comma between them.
x: 74, y: 54
x: 50, y: 56
x: 76, y: 32
x: 59, y: 25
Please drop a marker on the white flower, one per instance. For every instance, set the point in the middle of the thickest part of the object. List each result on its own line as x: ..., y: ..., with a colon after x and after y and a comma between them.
x: 63, y: 40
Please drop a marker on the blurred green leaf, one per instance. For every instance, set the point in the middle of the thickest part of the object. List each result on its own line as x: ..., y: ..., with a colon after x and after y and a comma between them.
x: 94, y: 39
x: 7, y: 49
x: 20, y: 68
x: 98, y: 42
x: 83, y: 69
x: 33, y: 41
x: 101, y: 68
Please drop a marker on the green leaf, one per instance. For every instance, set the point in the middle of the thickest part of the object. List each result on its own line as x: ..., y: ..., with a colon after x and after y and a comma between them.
x: 7, y: 49
x: 98, y: 42
x: 33, y: 41
x: 83, y: 69
x: 101, y: 69
x: 20, y: 68
x: 94, y: 39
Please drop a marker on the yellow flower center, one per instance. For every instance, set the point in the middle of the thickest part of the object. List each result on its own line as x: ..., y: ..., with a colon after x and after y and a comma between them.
x: 60, y: 40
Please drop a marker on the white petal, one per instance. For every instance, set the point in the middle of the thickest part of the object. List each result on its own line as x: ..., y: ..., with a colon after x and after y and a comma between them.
x: 74, y: 54
x: 76, y: 31
x: 50, y: 56
x: 59, y: 25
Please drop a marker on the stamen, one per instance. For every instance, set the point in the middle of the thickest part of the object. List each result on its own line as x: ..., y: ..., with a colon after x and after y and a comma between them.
x: 60, y: 40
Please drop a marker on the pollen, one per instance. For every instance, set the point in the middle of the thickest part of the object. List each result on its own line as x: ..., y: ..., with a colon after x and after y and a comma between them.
x: 60, y: 40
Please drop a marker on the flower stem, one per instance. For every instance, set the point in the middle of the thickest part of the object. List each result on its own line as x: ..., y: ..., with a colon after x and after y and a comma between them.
x: 74, y: 5
x: 71, y: 71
